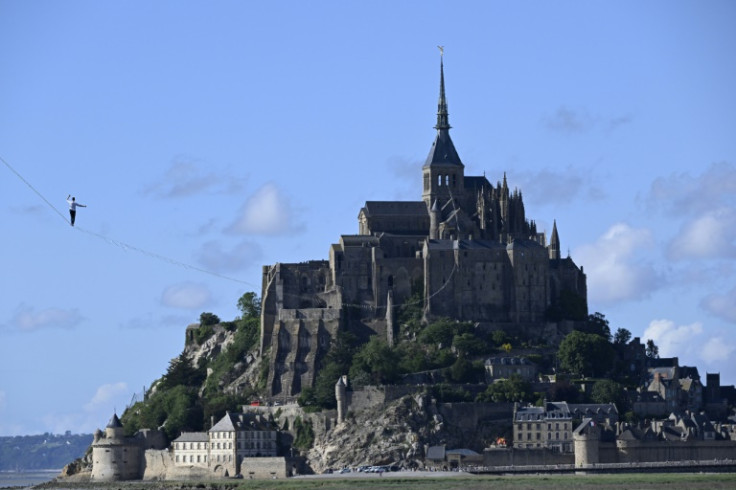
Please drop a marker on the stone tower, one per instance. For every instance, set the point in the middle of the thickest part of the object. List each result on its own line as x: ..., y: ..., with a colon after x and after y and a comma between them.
x: 341, y: 397
x: 587, y: 440
x: 443, y: 172
x: 114, y: 456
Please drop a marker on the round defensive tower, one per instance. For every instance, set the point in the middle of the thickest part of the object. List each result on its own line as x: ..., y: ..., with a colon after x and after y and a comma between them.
x: 586, y: 438
x: 115, y: 457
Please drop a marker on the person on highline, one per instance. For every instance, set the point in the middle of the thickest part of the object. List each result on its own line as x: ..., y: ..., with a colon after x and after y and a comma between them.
x: 73, y: 204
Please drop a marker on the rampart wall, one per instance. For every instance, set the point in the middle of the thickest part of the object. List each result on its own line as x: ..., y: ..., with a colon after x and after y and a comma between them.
x: 525, y: 457
x: 660, y: 451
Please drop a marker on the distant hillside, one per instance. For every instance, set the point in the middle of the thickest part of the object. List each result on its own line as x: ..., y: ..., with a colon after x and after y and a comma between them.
x: 41, y: 452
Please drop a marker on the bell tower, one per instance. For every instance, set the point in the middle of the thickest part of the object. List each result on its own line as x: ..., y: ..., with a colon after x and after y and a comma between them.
x: 443, y: 173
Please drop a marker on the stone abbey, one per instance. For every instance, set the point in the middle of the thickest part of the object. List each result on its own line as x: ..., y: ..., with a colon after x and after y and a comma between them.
x: 465, y: 251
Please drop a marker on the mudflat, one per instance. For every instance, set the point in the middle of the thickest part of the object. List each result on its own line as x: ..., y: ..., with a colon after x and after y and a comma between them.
x: 438, y: 481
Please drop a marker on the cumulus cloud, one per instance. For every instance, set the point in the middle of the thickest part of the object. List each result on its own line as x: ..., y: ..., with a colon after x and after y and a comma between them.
x: 557, y: 186
x: 105, y: 394
x: 616, y: 271
x: 672, y: 339
x: 26, y: 318
x: 566, y: 120
x: 186, y: 177
x: 186, y: 296
x: 267, y: 212
x: 717, y: 349
x: 711, y: 235
x: 686, y: 195
x: 721, y: 305
x: 215, y: 257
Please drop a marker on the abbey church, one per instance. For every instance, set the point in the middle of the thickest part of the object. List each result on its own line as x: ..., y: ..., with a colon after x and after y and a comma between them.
x: 466, y: 249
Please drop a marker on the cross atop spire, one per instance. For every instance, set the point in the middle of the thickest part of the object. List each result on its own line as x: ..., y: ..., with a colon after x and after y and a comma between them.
x: 443, y: 121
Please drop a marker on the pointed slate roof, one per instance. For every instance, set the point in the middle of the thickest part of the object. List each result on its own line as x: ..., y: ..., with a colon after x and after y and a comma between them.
x: 114, y: 422
x: 443, y: 150
x: 224, y: 425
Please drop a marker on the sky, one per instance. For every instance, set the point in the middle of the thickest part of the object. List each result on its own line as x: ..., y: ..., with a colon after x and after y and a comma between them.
x: 208, y: 139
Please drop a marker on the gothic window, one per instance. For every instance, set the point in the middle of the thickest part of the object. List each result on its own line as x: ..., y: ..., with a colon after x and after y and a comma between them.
x: 447, y: 180
x: 426, y: 182
x: 439, y: 180
x: 390, y: 282
x: 454, y: 180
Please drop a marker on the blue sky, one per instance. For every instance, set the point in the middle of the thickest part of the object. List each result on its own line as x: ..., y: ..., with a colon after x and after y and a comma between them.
x: 223, y: 136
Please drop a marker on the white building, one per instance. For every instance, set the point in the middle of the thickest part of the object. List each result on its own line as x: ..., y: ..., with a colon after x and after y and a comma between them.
x: 228, y: 443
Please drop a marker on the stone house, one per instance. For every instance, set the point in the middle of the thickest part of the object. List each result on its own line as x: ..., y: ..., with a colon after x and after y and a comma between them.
x: 551, y: 425
x: 229, y: 446
x: 504, y: 367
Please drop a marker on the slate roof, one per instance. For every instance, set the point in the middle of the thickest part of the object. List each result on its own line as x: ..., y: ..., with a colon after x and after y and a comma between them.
x: 395, y: 208
x: 114, y: 422
x: 475, y: 183
x: 443, y: 151
x: 192, y: 437
x: 241, y: 421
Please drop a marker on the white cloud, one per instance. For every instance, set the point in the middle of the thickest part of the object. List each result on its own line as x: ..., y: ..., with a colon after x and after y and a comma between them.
x: 185, y: 177
x: 26, y: 318
x: 558, y: 187
x: 105, y: 394
x: 266, y: 212
x: 568, y: 120
x: 721, y: 305
x: 717, y: 349
x: 214, y: 257
x: 186, y: 296
x: 711, y: 235
x: 615, y: 271
x: 673, y: 340
x: 685, y: 195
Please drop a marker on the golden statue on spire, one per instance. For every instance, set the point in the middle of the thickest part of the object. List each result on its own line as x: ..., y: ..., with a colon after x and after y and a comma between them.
x: 442, y: 50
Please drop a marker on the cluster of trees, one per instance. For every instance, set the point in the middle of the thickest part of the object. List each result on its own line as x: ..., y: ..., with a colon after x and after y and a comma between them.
x: 454, y: 350
x: 445, y: 345
x: 174, y: 403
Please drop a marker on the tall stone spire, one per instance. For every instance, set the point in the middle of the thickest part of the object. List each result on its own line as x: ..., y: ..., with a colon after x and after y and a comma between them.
x: 443, y: 171
x: 554, y: 243
x: 443, y: 119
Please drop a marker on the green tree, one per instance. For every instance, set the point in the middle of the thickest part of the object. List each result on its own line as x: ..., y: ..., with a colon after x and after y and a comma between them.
x: 462, y: 371
x: 375, y: 362
x: 598, y: 325
x: 208, y: 319
x: 652, y: 351
x: 468, y: 344
x: 442, y: 331
x: 585, y: 354
x: 304, y: 438
x: 181, y: 372
x: 622, y: 336
x: 608, y: 391
x: 249, y: 305
x: 514, y: 389
x: 499, y: 337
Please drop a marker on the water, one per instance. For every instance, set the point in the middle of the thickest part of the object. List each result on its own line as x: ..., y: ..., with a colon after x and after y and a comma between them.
x: 26, y: 478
